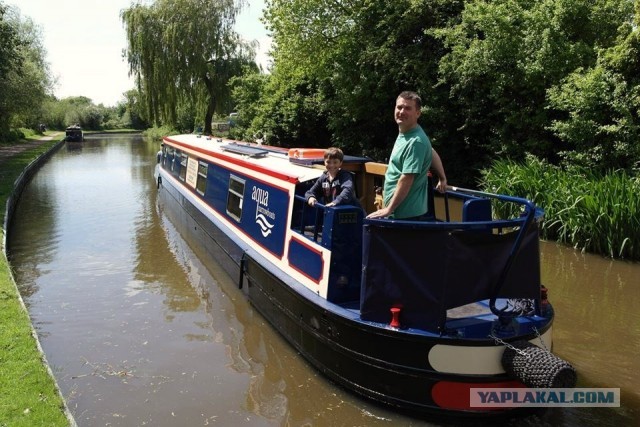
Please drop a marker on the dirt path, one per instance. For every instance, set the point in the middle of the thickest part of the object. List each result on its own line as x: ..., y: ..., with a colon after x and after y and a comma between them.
x: 7, y: 151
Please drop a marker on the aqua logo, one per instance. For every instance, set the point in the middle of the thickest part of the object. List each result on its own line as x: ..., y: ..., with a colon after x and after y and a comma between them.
x: 264, y: 216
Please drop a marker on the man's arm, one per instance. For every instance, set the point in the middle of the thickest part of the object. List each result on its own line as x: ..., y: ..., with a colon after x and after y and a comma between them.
x: 402, y: 189
x: 436, y: 163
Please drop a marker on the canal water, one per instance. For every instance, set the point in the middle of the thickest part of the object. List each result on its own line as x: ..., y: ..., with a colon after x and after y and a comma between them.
x: 138, y: 331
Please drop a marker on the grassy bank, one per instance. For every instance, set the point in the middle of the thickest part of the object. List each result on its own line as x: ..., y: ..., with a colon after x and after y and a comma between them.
x: 28, y: 394
x: 597, y: 214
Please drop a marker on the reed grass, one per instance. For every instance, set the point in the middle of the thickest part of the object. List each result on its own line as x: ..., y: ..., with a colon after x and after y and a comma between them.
x: 598, y: 214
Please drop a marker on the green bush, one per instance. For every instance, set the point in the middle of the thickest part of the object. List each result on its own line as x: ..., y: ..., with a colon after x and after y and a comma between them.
x: 158, y: 133
x: 11, y: 136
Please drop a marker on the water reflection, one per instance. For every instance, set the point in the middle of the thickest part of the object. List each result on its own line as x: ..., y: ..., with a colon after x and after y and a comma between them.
x: 282, y: 387
x: 140, y: 332
x: 597, y: 320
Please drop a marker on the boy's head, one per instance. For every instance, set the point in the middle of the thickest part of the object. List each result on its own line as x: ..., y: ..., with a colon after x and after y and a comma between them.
x: 333, y: 157
x: 334, y: 153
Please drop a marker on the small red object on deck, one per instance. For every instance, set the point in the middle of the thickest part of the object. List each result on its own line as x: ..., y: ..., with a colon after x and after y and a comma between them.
x: 395, y: 317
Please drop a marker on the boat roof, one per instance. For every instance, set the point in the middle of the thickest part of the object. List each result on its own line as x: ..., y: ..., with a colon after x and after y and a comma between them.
x: 260, y: 157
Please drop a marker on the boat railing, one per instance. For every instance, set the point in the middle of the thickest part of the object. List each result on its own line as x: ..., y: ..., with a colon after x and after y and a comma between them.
x: 308, y: 221
x: 311, y: 220
x: 427, y: 267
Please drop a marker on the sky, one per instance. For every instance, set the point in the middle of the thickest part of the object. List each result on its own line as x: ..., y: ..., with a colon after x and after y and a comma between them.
x: 84, y: 40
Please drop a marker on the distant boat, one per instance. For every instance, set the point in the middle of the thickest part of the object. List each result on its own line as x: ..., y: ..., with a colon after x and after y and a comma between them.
x: 410, y: 314
x: 74, y: 134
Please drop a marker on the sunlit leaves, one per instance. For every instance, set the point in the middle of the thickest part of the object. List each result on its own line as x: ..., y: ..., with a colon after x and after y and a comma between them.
x: 24, y: 74
x: 506, y: 55
x: 355, y: 57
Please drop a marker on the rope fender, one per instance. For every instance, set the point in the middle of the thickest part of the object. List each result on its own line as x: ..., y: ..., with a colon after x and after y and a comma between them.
x: 537, y: 367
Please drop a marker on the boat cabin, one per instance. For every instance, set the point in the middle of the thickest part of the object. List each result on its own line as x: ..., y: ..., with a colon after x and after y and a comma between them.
x: 74, y: 134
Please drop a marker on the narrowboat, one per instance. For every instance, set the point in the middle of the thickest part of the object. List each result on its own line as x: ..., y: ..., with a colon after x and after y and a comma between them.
x: 409, y: 314
x: 74, y: 134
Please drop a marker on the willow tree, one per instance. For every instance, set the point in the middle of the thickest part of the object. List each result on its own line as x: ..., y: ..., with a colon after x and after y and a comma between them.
x: 184, y: 52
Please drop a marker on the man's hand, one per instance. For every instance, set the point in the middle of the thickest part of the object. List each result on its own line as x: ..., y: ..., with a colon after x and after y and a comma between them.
x: 380, y: 213
x: 442, y: 185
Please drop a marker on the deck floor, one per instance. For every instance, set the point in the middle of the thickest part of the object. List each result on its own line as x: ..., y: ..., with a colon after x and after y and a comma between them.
x: 473, y: 309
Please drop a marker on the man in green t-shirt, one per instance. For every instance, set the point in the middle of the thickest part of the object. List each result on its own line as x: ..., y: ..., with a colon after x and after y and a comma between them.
x: 405, y: 182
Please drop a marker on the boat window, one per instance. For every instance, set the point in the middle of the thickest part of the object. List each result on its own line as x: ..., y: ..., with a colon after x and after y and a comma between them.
x: 183, y: 166
x: 168, y: 154
x: 201, y: 184
x: 234, y: 197
x: 176, y: 153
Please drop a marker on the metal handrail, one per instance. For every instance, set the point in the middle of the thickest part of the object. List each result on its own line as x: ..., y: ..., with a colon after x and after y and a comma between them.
x: 523, y: 222
x: 305, y: 206
x: 530, y: 215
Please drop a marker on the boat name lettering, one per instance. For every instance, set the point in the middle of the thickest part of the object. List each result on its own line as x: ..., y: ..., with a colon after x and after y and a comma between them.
x: 260, y: 195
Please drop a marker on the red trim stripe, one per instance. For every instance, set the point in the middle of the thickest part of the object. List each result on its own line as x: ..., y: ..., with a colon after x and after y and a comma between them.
x: 455, y: 395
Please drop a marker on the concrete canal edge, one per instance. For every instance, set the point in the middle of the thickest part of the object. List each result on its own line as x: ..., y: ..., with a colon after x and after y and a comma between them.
x: 12, y: 201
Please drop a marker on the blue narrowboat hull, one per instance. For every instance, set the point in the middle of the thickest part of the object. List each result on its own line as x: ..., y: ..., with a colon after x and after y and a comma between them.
x: 242, y: 214
x: 378, y: 364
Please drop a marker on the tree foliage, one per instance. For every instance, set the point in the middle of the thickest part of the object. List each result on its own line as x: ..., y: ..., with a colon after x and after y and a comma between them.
x: 500, y: 78
x: 355, y: 57
x: 182, y: 54
x: 248, y: 94
x: 280, y: 111
x: 24, y: 74
x: 60, y: 113
x: 10, y: 59
x: 133, y: 109
x: 505, y: 55
x: 601, y: 106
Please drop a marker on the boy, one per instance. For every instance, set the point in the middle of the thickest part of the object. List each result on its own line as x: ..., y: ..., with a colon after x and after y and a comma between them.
x: 335, y: 186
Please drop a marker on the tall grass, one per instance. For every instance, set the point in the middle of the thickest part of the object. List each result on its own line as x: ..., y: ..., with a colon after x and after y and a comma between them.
x: 599, y: 214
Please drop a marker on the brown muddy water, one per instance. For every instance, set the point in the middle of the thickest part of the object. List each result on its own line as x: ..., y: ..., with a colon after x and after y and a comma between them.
x: 138, y: 331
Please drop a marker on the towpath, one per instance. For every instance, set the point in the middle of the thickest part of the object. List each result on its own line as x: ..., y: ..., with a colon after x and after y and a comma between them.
x: 7, y: 151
